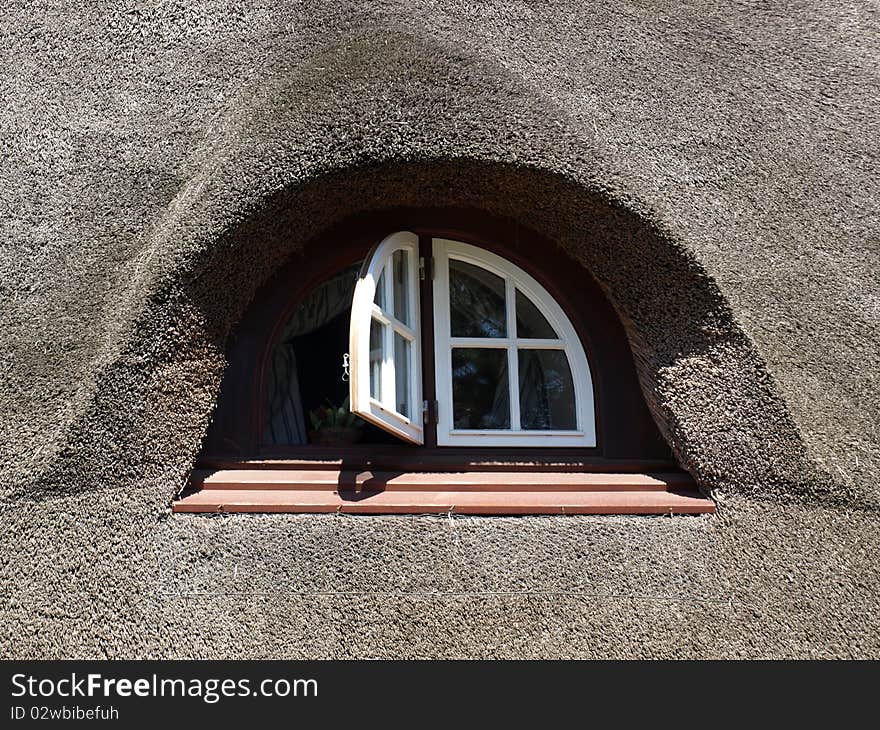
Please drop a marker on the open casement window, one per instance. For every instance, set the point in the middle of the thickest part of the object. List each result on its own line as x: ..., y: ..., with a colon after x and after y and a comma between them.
x: 385, y: 386
x: 510, y: 368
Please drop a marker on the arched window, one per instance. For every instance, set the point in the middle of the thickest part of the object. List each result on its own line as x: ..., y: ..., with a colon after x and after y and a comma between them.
x: 509, y: 367
x: 463, y: 364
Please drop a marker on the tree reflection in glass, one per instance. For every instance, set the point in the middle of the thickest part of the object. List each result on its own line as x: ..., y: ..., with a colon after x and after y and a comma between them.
x: 480, y: 393
x: 546, y: 391
x: 477, y: 301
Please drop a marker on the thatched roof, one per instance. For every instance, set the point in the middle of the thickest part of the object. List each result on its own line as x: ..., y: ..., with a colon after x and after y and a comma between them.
x: 715, y: 167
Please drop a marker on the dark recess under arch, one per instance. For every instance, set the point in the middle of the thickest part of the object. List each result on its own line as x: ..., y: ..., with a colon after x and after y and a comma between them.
x: 627, y: 437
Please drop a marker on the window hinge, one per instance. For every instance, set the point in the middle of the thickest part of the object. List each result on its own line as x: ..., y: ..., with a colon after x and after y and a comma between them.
x: 426, y: 268
x: 429, y: 411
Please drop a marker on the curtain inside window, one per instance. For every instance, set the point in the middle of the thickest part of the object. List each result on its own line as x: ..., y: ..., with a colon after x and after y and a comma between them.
x: 285, y: 420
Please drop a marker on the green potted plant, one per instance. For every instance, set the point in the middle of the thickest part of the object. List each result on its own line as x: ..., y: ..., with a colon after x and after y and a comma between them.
x: 335, y: 424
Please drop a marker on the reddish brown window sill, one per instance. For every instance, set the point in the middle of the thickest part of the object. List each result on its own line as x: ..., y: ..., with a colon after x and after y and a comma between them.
x: 400, y: 492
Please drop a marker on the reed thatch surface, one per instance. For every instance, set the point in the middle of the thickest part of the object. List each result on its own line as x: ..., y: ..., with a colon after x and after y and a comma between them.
x: 714, y: 166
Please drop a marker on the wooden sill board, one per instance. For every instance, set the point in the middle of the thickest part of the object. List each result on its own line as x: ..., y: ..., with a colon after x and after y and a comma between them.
x: 460, y: 493
x: 425, y: 481
x: 471, y: 502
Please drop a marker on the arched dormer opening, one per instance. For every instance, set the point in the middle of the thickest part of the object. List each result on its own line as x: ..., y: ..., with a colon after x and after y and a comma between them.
x: 410, y: 352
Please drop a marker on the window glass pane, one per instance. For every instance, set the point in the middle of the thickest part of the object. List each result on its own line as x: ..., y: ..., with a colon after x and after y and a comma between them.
x: 530, y: 323
x: 480, y: 394
x: 401, y: 286
x: 401, y: 374
x: 377, y: 356
x: 476, y: 299
x: 546, y: 391
x: 380, y: 291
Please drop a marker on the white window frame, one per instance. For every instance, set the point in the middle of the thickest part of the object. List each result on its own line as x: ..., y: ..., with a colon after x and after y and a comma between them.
x: 364, y: 310
x: 569, y: 342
